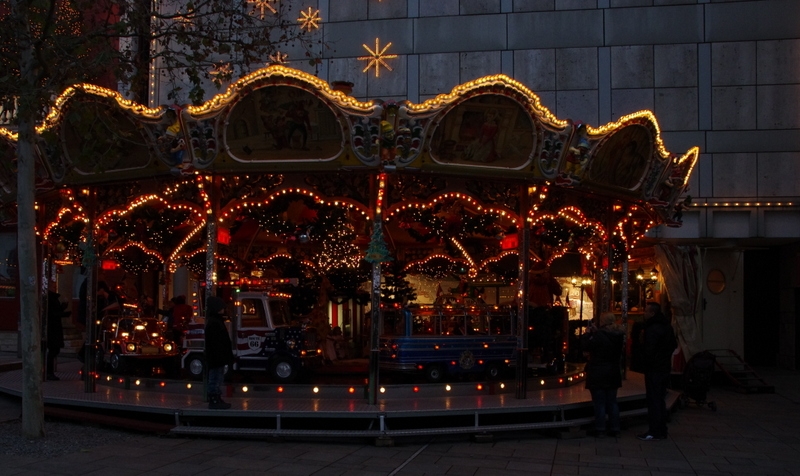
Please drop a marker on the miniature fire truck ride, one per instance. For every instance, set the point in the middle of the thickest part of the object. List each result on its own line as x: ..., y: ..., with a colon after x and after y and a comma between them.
x: 448, y: 339
x: 263, y: 339
x: 133, y: 343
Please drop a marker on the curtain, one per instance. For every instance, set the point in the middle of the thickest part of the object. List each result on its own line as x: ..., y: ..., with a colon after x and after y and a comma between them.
x: 682, y: 274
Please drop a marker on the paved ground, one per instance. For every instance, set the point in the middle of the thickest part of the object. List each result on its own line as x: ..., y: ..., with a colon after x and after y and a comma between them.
x: 747, y: 435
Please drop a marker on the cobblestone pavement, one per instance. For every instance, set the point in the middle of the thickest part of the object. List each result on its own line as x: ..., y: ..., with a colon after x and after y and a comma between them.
x: 748, y: 435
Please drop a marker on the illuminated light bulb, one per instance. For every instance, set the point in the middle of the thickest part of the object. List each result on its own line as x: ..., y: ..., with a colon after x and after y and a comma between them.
x: 383, y: 390
x: 245, y: 389
x: 415, y: 389
x: 447, y: 387
x: 137, y: 382
x: 541, y: 382
x: 280, y: 389
x: 315, y: 390
x: 188, y: 385
x: 351, y: 390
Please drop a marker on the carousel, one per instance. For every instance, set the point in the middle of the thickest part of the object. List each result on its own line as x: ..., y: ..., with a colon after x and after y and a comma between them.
x: 365, y: 205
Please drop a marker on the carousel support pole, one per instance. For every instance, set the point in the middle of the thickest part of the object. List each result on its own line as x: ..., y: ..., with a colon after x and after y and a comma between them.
x: 624, y: 288
x: 89, y: 263
x: 376, y: 254
x: 522, y: 294
x: 374, y: 335
x: 44, y: 283
x: 212, y: 209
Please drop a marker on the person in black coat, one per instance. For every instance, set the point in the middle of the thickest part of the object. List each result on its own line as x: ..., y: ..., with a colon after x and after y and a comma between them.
x: 604, y: 345
x: 54, y: 336
x: 218, y: 351
x: 659, y: 344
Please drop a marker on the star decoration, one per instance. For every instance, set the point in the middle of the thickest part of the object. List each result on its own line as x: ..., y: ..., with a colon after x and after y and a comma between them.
x: 309, y: 20
x: 277, y: 58
x: 263, y: 5
x: 221, y: 71
x: 184, y: 19
x: 376, y: 58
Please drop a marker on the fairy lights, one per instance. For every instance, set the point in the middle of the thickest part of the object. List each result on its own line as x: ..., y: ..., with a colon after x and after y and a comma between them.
x: 532, y: 101
x: 453, y: 196
x: 279, y: 75
x: 237, y: 207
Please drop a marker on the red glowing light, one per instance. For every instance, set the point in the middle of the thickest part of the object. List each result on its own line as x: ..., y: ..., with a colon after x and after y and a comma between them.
x: 280, y: 389
x: 109, y: 264
x: 351, y: 390
x: 480, y: 387
x: 163, y: 384
x: 416, y: 389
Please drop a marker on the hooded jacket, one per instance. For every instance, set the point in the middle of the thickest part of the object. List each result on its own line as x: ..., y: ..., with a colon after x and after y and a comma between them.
x: 659, y: 344
x: 605, y: 347
x: 219, y: 351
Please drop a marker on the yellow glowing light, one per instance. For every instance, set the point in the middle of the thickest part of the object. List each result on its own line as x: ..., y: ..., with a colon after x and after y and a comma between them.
x: 277, y: 58
x: 376, y: 57
x: 262, y: 6
x: 309, y: 20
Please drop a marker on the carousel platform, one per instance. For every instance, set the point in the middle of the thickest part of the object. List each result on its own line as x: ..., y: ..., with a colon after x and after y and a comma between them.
x: 327, y: 410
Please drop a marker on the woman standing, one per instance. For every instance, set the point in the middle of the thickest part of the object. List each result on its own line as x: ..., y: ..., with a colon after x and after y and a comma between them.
x: 604, y: 345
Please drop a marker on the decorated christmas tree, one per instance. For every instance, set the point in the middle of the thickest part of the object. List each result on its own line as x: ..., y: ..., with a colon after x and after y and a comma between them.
x: 377, y: 252
x: 395, y: 288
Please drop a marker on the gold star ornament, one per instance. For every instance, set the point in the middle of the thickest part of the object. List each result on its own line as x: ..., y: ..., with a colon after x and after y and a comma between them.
x: 277, y: 58
x: 376, y: 57
x: 309, y: 20
x: 263, y: 6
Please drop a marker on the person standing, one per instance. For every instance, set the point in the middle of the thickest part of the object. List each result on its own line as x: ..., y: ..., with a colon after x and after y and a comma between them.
x: 181, y: 316
x: 55, y: 332
x: 659, y: 344
x: 219, y: 352
x: 604, y: 345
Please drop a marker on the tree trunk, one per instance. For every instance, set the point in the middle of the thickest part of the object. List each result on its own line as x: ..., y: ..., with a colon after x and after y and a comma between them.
x: 30, y: 328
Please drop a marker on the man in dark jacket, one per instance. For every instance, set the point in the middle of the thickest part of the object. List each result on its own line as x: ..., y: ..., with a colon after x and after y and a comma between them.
x: 659, y: 344
x: 219, y: 352
x: 603, y: 372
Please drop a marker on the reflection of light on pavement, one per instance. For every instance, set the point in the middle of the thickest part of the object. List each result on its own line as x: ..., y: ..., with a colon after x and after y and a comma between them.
x: 246, y: 405
x: 315, y: 407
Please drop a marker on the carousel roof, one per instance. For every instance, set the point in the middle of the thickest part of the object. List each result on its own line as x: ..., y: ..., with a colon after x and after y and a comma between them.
x: 289, y: 144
